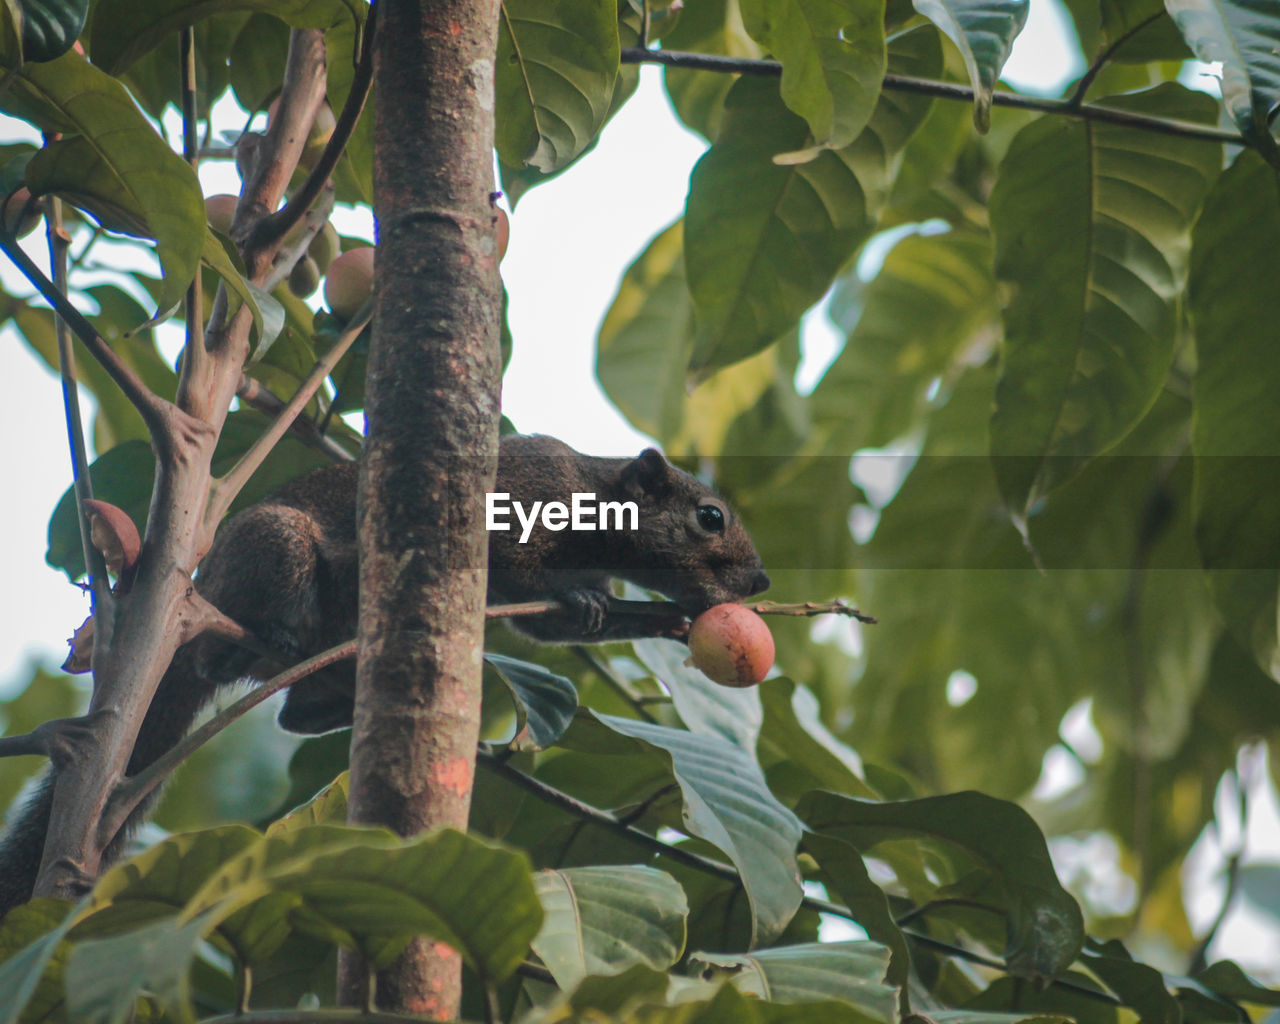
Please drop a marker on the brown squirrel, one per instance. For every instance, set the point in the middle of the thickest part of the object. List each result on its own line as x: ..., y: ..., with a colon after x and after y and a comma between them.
x: 285, y: 569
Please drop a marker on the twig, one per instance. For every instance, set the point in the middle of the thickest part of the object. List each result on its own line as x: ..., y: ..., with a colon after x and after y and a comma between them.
x: 256, y: 395
x: 808, y: 609
x: 1076, y: 99
x: 135, y: 789
x: 277, y: 225
x: 222, y: 492
x: 82, y: 484
x: 944, y: 90
x: 719, y: 869
x: 194, y: 350
x: 611, y: 678
x: 152, y: 408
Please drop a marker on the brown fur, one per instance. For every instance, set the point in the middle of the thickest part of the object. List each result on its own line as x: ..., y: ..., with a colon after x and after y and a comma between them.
x: 285, y: 568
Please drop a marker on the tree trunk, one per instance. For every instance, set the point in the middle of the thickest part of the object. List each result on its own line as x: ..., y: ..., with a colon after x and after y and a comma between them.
x: 431, y: 453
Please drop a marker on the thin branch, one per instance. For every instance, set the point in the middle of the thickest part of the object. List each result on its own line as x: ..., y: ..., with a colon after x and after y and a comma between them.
x: 1076, y: 98
x: 277, y: 225
x: 707, y: 865
x: 82, y: 484
x: 256, y: 395
x: 945, y: 90
x: 955, y: 901
x: 194, y: 350
x: 808, y: 609
x: 135, y: 789
x: 151, y: 407
x: 611, y: 679
x: 222, y: 492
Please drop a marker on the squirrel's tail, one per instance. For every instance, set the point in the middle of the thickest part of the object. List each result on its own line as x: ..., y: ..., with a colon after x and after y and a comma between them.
x: 178, y: 699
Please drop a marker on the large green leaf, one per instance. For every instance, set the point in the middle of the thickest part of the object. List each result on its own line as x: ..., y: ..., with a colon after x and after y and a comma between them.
x: 648, y: 333
x: 833, y: 60
x: 704, y: 706
x: 1092, y: 226
x: 1237, y: 412
x: 106, y: 977
x: 544, y: 702
x: 846, y: 876
x: 50, y: 27
x: 731, y: 1006
x: 555, y: 70
x: 1045, y: 929
x: 725, y: 801
x: 123, y: 30
x: 983, y: 31
x: 1245, y: 36
x: 847, y: 972
x: 933, y: 300
x: 34, y: 958
x: 111, y: 162
x: 763, y: 241
x: 603, y: 920
x: 705, y: 27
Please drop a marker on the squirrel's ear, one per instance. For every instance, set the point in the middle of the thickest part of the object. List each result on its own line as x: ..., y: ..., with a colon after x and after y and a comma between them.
x: 647, y: 473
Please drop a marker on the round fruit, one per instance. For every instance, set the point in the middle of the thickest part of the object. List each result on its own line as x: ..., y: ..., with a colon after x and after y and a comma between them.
x: 325, y: 247
x: 349, y: 282
x: 732, y: 645
x: 221, y: 211
x: 304, y: 278
x: 20, y: 214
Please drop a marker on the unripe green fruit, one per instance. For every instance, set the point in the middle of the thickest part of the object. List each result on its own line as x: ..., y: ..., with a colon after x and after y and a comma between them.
x: 304, y: 278
x: 325, y: 247
x: 731, y: 645
x: 349, y: 282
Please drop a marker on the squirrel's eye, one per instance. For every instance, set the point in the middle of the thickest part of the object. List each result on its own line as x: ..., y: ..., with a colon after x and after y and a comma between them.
x: 711, y: 519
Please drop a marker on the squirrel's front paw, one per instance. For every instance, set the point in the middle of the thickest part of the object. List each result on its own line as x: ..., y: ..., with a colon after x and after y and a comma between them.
x: 590, y: 609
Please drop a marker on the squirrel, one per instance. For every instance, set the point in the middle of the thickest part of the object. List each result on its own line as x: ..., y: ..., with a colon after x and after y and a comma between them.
x: 286, y: 569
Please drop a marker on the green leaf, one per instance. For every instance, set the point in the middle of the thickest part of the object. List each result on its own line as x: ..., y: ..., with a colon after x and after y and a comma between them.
x: 846, y: 876
x: 847, y: 972
x: 795, y: 736
x: 647, y: 337
x: 1245, y: 36
x: 105, y: 977
x: 697, y: 97
x: 603, y: 920
x: 1092, y: 226
x: 833, y: 60
x: 763, y: 241
x: 1236, y: 429
x: 51, y: 27
x: 545, y: 702
x: 474, y: 895
x: 111, y: 162
x: 220, y: 255
x: 1045, y: 929
x: 328, y: 807
x: 1138, y: 985
x: 555, y: 71
x: 933, y: 300
x: 727, y: 803
x: 731, y: 1006
x: 704, y: 707
x: 34, y: 959
x: 123, y: 30
x: 983, y: 31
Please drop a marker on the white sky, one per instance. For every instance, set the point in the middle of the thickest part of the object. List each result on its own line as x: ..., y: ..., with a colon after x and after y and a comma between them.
x: 571, y: 240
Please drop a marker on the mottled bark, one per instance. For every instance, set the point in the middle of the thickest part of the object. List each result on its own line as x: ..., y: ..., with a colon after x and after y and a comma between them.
x: 431, y: 451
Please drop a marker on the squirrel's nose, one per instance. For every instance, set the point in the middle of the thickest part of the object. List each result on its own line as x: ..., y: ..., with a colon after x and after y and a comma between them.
x: 759, y: 583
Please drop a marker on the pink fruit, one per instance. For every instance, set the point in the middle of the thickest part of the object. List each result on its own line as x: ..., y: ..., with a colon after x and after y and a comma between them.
x: 732, y: 645
x: 349, y: 282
